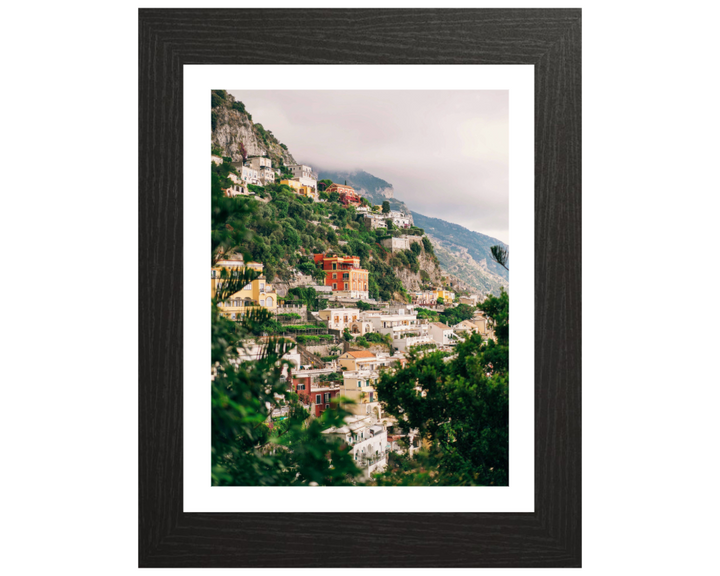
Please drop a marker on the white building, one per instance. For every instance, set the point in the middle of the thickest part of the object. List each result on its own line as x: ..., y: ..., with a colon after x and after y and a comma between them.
x: 367, y: 441
x: 247, y: 174
x: 403, y: 324
x: 304, y: 174
x: 239, y: 187
x: 400, y: 219
x: 400, y: 243
x: 471, y: 300
x: 373, y: 221
x: 339, y: 318
x: 263, y: 166
x: 441, y: 333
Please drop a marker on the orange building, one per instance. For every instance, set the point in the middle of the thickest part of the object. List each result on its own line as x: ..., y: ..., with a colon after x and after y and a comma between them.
x: 347, y: 194
x: 344, y: 274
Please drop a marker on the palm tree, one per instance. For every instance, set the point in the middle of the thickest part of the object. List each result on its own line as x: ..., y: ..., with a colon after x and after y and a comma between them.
x: 501, y: 255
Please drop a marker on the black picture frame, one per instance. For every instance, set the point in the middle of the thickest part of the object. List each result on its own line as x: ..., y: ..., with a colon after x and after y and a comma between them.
x: 549, y: 39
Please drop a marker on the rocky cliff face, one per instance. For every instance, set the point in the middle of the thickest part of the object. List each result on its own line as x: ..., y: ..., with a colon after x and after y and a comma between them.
x: 233, y: 125
x: 464, y: 271
x: 413, y: 281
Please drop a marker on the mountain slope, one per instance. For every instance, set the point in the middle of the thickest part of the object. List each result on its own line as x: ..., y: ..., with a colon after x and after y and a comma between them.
x: 463, y: 242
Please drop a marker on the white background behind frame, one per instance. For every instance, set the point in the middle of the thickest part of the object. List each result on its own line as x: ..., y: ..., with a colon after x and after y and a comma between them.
x: 199, y: 495
x: 629, y: 128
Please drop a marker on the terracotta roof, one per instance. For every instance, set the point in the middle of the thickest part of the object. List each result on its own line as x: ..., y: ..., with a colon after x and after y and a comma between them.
x: 361, y: 354
x: 441, y: 325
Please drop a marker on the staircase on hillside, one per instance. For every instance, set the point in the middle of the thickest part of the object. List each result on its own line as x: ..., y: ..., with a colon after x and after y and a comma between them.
x: 308, y: 357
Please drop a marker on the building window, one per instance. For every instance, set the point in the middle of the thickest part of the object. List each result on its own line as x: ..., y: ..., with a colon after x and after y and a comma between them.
x: 262, y: 302
x: 334, y: 266
x: 334, y: 286
x: 213, y: 273
x: 318, y: 398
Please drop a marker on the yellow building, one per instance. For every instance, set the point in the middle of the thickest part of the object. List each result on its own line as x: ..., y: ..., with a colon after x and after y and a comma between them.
x: 301, y: 189
x: 257, y: 294
x: 359, y: 386
x: 446, y: 295
x: 358, y: 360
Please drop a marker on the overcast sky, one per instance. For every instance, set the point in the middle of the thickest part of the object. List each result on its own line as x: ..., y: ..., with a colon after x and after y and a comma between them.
x: 444, y: 152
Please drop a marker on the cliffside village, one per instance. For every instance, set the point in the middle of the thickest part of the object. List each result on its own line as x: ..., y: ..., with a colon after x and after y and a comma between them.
x: 339, y: 367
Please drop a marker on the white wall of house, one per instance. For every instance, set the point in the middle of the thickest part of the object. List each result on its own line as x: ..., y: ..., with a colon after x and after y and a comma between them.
x: 440, y: 335
x: 405, y: 343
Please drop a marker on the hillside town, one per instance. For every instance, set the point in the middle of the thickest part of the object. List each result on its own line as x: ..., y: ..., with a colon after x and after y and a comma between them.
x: 341, y: 350
x: 343, y: 353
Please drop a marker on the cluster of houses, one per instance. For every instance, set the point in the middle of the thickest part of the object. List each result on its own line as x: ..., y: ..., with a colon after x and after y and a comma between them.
x: 259, y: 171
x: 374, y: 219
x: 402, y: 325
x: 369, y: 433
x: 429, y: 298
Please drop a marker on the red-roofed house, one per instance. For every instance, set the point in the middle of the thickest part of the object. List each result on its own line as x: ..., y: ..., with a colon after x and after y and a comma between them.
x: 348, y: 196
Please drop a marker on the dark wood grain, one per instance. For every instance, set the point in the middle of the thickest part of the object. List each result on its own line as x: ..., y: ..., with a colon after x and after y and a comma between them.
x: 547, y: 38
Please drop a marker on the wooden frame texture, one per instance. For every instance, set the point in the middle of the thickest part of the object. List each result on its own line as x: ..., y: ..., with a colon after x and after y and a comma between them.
x: 547, y: 38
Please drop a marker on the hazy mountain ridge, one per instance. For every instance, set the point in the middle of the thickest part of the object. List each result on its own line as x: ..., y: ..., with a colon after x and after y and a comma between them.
x: 462, y: 253
x: 459, y: 239
x: 371, y: 187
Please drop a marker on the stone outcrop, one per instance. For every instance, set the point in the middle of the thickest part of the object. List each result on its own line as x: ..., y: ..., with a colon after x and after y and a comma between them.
x: 233, y: 126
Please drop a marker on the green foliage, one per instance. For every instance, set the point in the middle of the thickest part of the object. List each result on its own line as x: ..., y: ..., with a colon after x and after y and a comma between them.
x: 497, y: 309
x: 363, y: 306
x: 213, y: 120
x: 288, y: 316
x: 440, y: 300
x: 461, y: 408
x: 217, y: 98
x: 428, y: 245
x: 347, y: 336
x: 430, y: 315
x: 416, y: 248
x: 361, y: 341
x: 307, y: 295
x: 307, y: 266
x: 374, y: 337
x: 456, y: 314
x: 239, y: 106
x: 230, y: 217
x: 246, y: 449
x: 386, y: 207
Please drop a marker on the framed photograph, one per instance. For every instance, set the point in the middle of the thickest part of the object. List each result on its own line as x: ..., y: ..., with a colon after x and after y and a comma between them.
x: 368, y: 169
